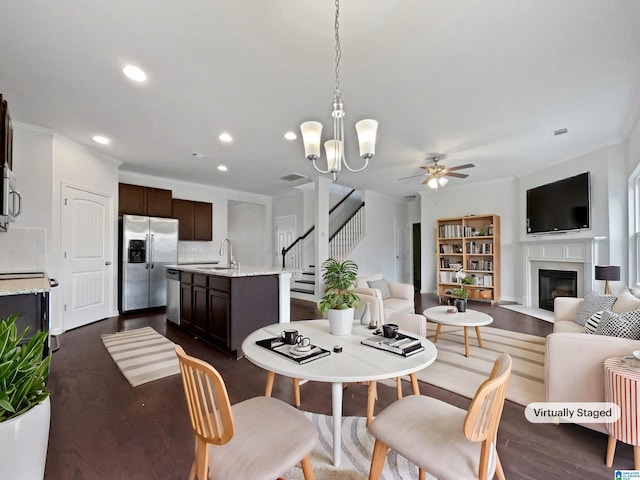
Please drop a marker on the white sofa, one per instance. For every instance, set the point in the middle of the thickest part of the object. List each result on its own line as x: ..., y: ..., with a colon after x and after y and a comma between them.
x: 574, y: 369
x: 401, y: 299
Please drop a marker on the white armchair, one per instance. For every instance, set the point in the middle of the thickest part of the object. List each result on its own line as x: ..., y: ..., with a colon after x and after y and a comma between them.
x: 400, y: 297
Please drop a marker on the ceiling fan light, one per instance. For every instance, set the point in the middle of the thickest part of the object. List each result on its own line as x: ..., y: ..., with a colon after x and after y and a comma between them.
x: 442, y: 181
x: 433, y: 182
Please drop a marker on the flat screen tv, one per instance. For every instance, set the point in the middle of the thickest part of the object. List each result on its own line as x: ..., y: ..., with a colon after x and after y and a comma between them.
x: 560, y: 206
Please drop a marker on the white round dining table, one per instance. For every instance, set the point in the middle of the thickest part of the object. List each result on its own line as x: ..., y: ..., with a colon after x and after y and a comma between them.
x: 355, y: 363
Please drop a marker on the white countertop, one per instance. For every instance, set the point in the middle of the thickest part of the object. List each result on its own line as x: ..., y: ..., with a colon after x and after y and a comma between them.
x: 21, y: 286
x: 243, y: 271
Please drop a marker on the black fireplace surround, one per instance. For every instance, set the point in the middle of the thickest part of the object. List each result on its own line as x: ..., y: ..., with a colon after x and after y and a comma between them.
x: 555, y: 283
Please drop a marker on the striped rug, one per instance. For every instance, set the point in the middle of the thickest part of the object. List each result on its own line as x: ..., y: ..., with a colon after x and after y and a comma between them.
x: 459, y: 374
x: 142, y: 355
x: 357, y: 449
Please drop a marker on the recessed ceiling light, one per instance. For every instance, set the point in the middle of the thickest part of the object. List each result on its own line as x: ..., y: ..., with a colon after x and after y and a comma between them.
x: 222, y: 168
x: 225, y: 137
x: 101, y: 139
x: 134, y: 73
x: 290, y: 136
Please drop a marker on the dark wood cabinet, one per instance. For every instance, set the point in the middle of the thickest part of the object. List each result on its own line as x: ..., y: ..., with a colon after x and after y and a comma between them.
x: 186, y: 300
x: 195, y: 219
x: 223, y: 311
x: 6, y: 135
x: 139, y: 200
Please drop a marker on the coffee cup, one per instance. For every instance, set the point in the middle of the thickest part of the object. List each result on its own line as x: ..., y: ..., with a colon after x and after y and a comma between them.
x: 389, y: 330
x: 289, y: 336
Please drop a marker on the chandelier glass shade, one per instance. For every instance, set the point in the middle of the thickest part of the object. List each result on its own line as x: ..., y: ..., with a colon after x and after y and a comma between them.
x: 334, y: 149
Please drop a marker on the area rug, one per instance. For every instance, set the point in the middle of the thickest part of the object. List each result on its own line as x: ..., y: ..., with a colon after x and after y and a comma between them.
x: 357, y: 448
x: 142, y: 355
x: 459, y: 374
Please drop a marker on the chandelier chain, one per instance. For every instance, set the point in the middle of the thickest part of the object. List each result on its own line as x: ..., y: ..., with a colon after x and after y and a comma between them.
x: 338, y: 49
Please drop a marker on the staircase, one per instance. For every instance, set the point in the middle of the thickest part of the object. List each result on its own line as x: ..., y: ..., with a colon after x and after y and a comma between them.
x: 341, y: 244
x: 303, y: 284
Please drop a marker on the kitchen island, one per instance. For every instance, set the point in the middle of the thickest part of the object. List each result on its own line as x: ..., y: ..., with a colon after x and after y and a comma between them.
x: 223, y: 305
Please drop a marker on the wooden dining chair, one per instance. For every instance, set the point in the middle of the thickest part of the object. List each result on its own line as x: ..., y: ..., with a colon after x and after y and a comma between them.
x: 409, y: 322
x: 254, y: 439
x: 441, y: 439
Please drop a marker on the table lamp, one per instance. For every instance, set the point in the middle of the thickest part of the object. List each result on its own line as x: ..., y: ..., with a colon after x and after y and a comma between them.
x: 606, y: 273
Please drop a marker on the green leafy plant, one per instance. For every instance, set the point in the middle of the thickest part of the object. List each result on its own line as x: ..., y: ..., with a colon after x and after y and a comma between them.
x: 340, y: 278
x: 460, y: 293
x: 23, y: 370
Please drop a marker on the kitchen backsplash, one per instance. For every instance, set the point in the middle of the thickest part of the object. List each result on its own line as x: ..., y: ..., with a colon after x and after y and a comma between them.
x: 198, y: 252
x: 22, y: 250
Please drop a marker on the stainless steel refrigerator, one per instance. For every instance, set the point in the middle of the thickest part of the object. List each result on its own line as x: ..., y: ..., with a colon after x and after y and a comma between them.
x: 147, y: 245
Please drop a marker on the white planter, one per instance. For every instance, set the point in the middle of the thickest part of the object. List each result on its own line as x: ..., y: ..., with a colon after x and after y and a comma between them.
x: 341, y: 321
x: 24, y: 441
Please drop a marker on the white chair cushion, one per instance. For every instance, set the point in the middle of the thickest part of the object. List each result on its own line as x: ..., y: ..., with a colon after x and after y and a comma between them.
x: 429, y: 433
x: 277, y: 435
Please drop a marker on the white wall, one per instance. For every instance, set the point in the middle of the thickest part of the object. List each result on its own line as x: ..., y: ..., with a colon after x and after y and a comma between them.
x: 376, y: 252
x: 249, y: 232
x: 496, y: 197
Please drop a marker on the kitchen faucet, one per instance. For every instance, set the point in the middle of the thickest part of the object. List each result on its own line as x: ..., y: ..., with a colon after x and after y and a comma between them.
x: 230, y: 260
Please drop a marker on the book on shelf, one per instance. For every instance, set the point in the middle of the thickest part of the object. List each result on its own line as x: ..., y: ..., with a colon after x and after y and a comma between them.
x: 401, y: 344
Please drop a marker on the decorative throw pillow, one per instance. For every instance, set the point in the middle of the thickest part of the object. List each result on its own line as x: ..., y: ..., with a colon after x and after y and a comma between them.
x: 635, y: 292
x: 623, y: 325
x: 381, y: 285
x: 593, y: 302
x: 593, y: 322
x: 625, y: 302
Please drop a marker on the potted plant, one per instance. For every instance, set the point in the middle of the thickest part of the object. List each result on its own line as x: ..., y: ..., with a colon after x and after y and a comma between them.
x: 25, y: 409
x: 339, y: 300
x: 461, y: 295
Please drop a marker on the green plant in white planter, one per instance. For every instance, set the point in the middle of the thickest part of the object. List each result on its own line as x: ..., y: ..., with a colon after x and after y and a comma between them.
x: 339, y: 300
x: 24, y: 402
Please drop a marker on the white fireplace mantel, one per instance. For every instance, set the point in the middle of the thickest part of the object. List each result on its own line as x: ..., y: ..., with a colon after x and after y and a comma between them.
x: 572, y: 254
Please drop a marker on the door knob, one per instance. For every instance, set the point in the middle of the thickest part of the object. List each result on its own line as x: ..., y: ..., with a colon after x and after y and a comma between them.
x: 107, y: 263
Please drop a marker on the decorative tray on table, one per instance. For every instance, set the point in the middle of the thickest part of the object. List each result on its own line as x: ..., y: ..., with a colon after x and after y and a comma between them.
x: 401, y: 344
x: 275, y: 344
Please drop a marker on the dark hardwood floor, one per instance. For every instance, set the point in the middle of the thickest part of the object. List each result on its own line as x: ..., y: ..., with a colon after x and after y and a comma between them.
x: 102, y: 428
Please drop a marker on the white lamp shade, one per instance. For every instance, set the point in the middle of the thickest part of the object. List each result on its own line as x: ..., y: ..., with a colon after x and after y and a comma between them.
x: 433, y: 182
x: 333, y: 160
x: 442, y: 181
x: 367, y: 131
x: 311, y: 132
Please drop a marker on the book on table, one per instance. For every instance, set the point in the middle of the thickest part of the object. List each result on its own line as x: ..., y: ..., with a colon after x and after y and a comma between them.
x: 400, y: 344
x: 276, y: 345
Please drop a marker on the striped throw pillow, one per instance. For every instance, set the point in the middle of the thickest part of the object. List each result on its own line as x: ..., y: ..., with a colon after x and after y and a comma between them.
x: 592, y: 323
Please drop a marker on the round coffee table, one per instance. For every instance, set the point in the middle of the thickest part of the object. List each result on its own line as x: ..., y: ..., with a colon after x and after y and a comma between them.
x: 470, y: 318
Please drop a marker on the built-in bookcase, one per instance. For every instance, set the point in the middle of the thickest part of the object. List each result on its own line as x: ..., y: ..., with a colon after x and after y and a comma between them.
x: 470, y: 244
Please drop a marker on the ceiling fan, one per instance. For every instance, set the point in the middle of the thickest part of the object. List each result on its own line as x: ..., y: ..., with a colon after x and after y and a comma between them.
x: 436, y: 173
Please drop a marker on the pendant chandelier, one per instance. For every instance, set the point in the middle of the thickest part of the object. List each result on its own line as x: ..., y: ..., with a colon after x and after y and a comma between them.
x: 334, y: 149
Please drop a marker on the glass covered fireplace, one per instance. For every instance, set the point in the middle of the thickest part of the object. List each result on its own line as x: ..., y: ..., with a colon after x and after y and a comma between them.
x: 556, y: 283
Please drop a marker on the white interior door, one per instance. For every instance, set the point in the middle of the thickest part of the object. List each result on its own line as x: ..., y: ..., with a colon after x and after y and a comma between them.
x: 402, y: 251
x: 285, y: 234
x: 87, y: 244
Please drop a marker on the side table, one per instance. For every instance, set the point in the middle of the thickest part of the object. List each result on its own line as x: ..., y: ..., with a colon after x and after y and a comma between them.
x: 622, y: 387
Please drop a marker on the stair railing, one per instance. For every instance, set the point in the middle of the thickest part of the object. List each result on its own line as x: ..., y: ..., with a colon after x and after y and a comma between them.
x: 344, y: 240
x: 294, y: 252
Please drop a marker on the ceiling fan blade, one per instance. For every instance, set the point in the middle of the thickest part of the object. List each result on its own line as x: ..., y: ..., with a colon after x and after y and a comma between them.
x: 457, y: 175
x: 460, y: 167
x: 414, y: 176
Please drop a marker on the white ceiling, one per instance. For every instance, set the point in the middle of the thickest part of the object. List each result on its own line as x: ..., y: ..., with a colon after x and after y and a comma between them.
x: 485, y: 82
